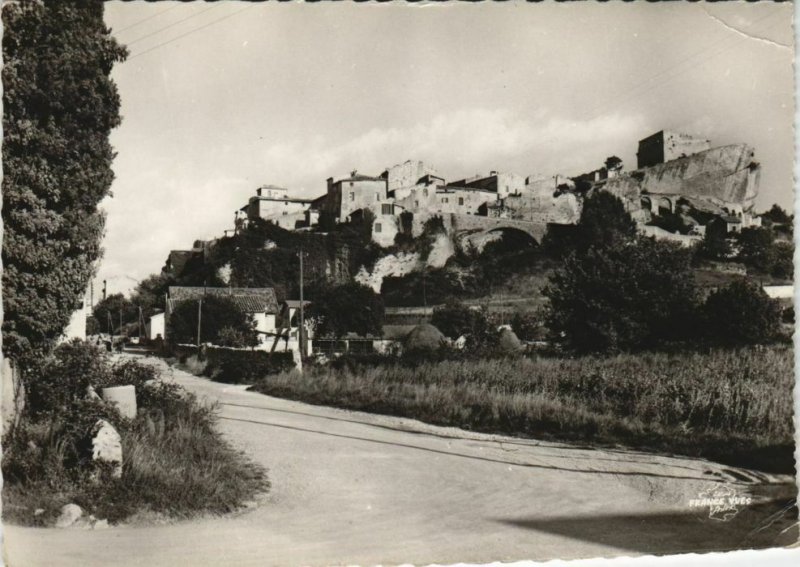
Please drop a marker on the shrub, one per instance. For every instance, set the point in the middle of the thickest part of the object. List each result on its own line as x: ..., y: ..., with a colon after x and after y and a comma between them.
x: 623, y: 297
x: 526, y: 326
x: 741, y: 314
x: 454, y: 319
x: 352, y: 307
x: 61, y: 379
x: 245, y: 366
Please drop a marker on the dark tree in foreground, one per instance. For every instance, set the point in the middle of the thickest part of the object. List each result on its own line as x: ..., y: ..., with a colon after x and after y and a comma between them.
x: 604, y: 222
x: 59, y: 107
x: 348, y: 308
x: 623, y: 297
x: 741, y: 314
x: 221, y: 323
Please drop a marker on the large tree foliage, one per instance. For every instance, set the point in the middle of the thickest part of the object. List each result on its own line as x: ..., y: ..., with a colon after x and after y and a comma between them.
x: 59, y: 106
x: 604, y: 222
x: 352, y: 307
x: 221, y: 323
x: 741, y: 313
x: 623, y: 297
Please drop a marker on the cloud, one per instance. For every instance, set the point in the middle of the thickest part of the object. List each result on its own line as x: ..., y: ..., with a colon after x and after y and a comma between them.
x: 460, y: 143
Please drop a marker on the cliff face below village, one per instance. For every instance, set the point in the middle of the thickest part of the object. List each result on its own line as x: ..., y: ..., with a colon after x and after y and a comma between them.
x: 723, y: 176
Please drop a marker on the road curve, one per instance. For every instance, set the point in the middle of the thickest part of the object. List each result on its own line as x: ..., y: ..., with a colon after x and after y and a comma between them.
x: 355, y: 488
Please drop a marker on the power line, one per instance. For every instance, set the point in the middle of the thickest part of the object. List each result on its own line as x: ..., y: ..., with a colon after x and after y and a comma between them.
x: 728, y: 41
x: 173, y: 24
x: 191, y: 32
x: 148, y: 18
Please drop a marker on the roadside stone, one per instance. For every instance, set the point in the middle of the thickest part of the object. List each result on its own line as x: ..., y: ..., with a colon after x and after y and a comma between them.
x: 100, y: 525
x: 124, y: 397
x: 70, y: 513
x: 107, y: 446
x: 38, y: 512
x: 91, y: 393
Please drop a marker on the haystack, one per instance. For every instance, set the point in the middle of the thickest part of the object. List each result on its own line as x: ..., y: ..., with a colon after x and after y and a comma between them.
x: 424, y: 337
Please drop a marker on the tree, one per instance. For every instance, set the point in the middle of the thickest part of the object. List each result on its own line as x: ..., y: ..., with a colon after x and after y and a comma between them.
x: 623, y: 297
x: 117, y: 309
x: 221, y: 322
x: 755, y: 248
x: 150, y: 293
x: 454, y: 320
x: 604, y: 222
x: 714, y: 246
x: 741, y: 314
x: 59, y: 107
x: 776, y: 215
x: 348, y: 308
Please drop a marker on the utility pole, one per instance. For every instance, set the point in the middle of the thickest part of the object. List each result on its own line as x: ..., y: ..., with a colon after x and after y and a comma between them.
x: 110, y: 325
x: 424, y: 295
x: 140, y: 323
x: 104, y: 289
x: 301, y: 335
x: 199, y: 318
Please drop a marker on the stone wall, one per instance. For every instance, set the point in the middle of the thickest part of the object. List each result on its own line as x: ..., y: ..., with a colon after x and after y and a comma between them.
x: 407, y: 174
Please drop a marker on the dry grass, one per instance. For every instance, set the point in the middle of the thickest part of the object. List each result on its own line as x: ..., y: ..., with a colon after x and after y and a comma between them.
x: 176, y: 465
x: 731, y: 406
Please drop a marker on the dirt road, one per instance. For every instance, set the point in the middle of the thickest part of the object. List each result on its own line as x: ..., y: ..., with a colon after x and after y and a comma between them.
x: 352, y: 488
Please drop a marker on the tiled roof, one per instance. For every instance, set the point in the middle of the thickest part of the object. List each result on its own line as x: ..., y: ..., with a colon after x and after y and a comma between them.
x: 248, y: 299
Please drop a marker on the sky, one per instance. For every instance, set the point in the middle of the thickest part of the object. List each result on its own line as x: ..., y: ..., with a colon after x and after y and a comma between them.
x: 220, y: 98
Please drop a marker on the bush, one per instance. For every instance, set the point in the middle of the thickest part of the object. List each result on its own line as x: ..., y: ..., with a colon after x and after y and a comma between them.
x: 623, y: 297
x: 741, y: 314
x: 526, y: 326
x: 454, y: 320
x: 245, y: 366
x: 62, y: 379
x: 175, y: 462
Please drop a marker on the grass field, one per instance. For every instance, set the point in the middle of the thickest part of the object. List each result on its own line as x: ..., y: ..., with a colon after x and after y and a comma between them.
x: 729, y: 406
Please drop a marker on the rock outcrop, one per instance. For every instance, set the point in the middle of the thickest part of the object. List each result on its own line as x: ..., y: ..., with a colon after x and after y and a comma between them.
x: 723, y: 176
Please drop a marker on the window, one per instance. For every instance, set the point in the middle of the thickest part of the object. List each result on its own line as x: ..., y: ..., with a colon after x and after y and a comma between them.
x: 416, y: 203
x: 377, y: 227
x: 461, y: 200
x: 352, y: 196
x: 386, y: 209
x: 285, y: 213
x: 377, y: 196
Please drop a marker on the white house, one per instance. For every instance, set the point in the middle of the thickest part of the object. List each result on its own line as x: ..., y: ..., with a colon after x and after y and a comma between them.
x: 156, y: 327
x: 76, y: 329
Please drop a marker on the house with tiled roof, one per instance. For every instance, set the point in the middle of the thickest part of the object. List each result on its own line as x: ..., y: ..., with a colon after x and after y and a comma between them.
x: 260, y: 303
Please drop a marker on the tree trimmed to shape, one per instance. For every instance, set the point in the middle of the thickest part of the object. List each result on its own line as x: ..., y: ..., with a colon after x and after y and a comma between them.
x: 221, y: 323
x: 59, y: 107
x: 348, y: 308
x: 741, y: 313
x: 623, y: 297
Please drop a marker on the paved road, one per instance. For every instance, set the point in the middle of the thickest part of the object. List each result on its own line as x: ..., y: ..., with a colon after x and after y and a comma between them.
x: 352, y: 488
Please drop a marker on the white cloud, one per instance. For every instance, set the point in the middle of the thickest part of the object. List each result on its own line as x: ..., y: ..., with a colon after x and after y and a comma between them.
x: 460, y: 143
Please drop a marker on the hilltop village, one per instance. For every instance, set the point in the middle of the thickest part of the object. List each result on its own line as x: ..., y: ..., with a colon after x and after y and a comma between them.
x: 676, y: 174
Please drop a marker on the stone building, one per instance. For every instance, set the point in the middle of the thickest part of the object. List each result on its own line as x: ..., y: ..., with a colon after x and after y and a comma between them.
x: 273, y: 204
x: 503, y: 184
x: 407, y: 174
x: 353, y: 193
x: 666, y: 145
